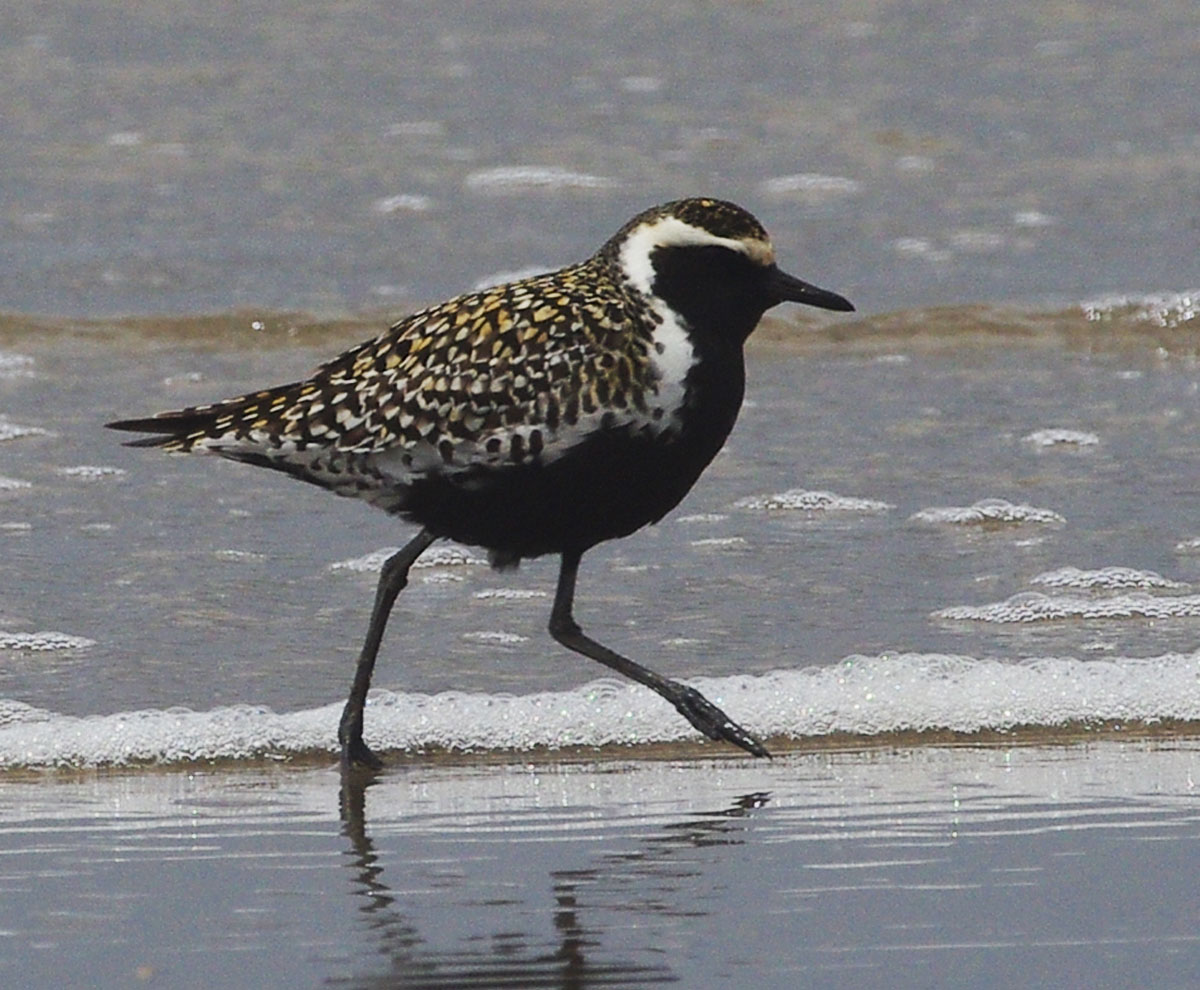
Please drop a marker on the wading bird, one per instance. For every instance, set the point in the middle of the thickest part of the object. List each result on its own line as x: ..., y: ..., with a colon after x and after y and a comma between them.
x: 543, y: 416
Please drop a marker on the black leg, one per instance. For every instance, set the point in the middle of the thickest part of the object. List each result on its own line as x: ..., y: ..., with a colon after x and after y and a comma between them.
x: 392, y: 580
x: 689, y: 702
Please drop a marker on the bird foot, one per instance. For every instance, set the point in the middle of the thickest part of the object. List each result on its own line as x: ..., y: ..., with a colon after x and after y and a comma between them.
x: 356, y: 755
x: 713, y: 722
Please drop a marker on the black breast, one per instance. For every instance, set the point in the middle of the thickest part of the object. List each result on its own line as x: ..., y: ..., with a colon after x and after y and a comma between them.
x: 616, y: 480
x: 607, y: 486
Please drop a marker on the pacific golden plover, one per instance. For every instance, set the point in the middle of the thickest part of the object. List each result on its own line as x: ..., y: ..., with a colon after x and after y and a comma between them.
x: 539, y: 417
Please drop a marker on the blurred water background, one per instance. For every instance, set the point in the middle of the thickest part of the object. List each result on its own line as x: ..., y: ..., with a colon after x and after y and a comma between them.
x: 170, y: 157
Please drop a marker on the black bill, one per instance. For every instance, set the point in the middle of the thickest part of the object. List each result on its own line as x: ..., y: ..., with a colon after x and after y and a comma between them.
x: 788, y: 288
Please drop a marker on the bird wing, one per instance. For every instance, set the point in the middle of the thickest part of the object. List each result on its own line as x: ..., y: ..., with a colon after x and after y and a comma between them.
x: 509, y: 374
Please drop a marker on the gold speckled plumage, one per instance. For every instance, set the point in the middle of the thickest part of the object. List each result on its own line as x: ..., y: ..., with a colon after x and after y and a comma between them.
x: 502, y: 375
x: 516, y: 360
x: 502, y: 370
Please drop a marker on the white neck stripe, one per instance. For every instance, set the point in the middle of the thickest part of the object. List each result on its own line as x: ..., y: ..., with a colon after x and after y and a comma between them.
x: 673, y: 232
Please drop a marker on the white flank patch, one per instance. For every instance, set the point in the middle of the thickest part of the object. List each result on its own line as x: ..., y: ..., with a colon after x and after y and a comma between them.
x: 672, y: 357
x: 515, y: 275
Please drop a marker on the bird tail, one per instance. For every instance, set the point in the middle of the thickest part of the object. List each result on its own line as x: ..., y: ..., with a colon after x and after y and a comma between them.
x: 176, y: 431
x: 209, y: 426
x: 248, y: 429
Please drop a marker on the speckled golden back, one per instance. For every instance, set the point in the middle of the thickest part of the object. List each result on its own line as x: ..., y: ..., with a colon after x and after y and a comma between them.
x: 514, y: 362
x: 500, y: 373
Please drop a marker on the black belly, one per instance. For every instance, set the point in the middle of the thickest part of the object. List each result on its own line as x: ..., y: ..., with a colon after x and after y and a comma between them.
x: 607, y: 487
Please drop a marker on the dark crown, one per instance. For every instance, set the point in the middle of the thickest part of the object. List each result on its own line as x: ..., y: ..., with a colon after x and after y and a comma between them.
x: 717, y: 216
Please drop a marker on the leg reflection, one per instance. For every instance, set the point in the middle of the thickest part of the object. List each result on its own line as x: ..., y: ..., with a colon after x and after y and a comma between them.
x: 513, y: 949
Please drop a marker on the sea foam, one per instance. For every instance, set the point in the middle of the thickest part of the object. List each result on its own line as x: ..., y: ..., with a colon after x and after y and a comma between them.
x: 863, y: 696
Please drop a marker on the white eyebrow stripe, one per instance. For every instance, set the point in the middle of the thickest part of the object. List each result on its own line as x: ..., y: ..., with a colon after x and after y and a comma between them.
x: 673, y: 232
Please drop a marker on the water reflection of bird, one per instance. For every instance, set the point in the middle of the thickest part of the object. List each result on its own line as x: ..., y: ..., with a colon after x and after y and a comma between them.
x: 562, y: 944
x: 542, y: 416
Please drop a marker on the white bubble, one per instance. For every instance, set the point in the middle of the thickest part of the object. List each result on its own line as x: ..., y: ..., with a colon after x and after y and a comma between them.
x: 437, y: 556
x: 526, y: 178
x: 641, y: 84
x: 91, y: 472
x: 987, y: 511
x: 1058, y: 437
x: 15, y: 431
x: 497, y: 637
x: 797, y: 499
x: 1032, y: 606
x: 1105, y: 579
x: 403, y: 203
x: 860, y: 696
x: 42, y: 642
x: 510, y: 594
x: 811, y: 187
x: 1165, y: 309
x: 721, y: 543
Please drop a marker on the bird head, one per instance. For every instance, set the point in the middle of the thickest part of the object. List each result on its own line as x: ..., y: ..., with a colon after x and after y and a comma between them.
x: 711, y: 262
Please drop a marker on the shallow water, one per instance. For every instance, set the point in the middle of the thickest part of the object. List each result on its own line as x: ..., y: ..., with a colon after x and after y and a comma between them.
x: 985, y: 715
x: 922, y: 867
x: 911, y: 528
x: 814, y: 618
